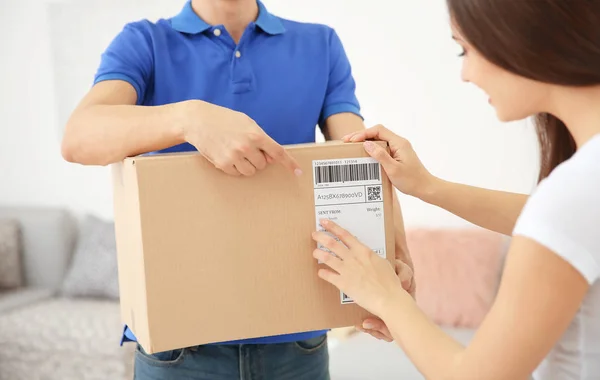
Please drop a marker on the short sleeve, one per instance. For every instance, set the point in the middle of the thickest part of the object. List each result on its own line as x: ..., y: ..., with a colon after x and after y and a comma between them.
x: 340, y: 96
x: 128, y: 58
x: 563, y: 214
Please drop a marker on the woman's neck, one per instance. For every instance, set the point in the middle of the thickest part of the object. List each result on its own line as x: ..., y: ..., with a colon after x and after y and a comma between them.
x: 579, y: 109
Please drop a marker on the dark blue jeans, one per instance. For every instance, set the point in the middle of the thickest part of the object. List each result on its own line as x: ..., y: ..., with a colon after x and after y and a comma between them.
x: 303, y: 360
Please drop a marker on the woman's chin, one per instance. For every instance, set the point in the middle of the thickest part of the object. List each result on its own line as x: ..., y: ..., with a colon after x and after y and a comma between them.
x: 508, y: 117
x: 505, y: 117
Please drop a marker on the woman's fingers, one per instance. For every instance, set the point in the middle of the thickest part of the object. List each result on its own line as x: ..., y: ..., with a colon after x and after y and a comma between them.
x: 345, y: 237
x: 382, y: 156
x: 378, y: 132
x: 330, y: 276
x: 328, y: 259
x: 331, y: 244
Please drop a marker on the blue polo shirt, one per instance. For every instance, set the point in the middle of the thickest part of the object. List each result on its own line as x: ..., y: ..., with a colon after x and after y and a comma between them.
x: 287, y: 76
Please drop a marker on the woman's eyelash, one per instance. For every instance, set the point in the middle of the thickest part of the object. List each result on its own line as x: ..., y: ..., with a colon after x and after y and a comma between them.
x: 462, y: 53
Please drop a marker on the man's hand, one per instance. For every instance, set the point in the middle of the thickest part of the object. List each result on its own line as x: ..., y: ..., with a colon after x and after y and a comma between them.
x: 406, y: 274
x: 231, y: 140
x: 377, y: 328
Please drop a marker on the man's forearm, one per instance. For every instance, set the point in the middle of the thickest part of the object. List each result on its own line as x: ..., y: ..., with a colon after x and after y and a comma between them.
x: 491, y: 209
x: 104, y: 134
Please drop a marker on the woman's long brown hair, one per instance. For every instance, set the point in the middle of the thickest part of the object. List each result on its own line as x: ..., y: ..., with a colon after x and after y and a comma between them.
x: 551, y: 41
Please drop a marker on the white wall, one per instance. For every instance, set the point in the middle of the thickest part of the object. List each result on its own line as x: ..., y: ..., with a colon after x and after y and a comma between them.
x: 404, y: 62
x: 32, y: 171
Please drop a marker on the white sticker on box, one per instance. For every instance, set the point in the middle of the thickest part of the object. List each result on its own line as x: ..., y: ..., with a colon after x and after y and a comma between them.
x: 349, y: 192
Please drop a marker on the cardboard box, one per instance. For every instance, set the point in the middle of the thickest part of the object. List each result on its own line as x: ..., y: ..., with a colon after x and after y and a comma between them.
x: 205, y: 257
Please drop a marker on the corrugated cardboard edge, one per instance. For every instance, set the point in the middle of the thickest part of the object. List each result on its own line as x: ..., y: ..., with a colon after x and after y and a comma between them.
x: 128, y: 231
x: 389, y: 217
x: 290, y: 147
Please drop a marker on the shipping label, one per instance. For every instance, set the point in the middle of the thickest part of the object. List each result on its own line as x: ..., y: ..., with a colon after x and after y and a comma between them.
x: 349, y: 192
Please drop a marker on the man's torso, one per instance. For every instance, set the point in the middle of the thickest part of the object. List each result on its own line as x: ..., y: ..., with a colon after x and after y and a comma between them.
x: 279, y: 74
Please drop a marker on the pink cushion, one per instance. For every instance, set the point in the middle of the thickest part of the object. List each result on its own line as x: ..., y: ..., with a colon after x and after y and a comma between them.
x: 457, y: 273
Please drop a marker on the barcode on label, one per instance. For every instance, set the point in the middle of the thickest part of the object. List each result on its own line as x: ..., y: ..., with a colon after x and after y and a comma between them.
x: 347, y: 173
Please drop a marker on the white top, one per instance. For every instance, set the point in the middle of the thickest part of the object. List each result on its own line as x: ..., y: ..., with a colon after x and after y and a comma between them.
x: 563, y: 214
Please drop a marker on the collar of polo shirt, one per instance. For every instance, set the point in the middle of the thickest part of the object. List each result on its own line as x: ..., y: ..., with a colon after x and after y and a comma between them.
x: 187, y: 21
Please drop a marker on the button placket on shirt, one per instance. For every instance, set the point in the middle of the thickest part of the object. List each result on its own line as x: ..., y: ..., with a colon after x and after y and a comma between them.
x: 217, y: 32
x: 241, y: 69
x: 241, y: 75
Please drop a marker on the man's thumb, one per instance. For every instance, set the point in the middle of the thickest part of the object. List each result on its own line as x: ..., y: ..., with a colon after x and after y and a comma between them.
x: 381, y: 155
x: 373, y: 324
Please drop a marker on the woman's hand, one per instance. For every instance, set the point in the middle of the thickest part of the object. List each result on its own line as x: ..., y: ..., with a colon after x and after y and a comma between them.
x: 357, y: 271
x: 403, y: 167
x: 375, y: 326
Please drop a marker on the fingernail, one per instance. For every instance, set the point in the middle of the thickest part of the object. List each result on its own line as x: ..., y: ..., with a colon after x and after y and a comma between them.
x: 369, y: 146
x: 368, y: 325
x: 324, y: 222
x: 298, y: 172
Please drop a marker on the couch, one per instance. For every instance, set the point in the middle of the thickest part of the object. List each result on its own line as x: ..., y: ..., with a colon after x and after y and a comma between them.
x: 62, y: 320
x: 45, y: 335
